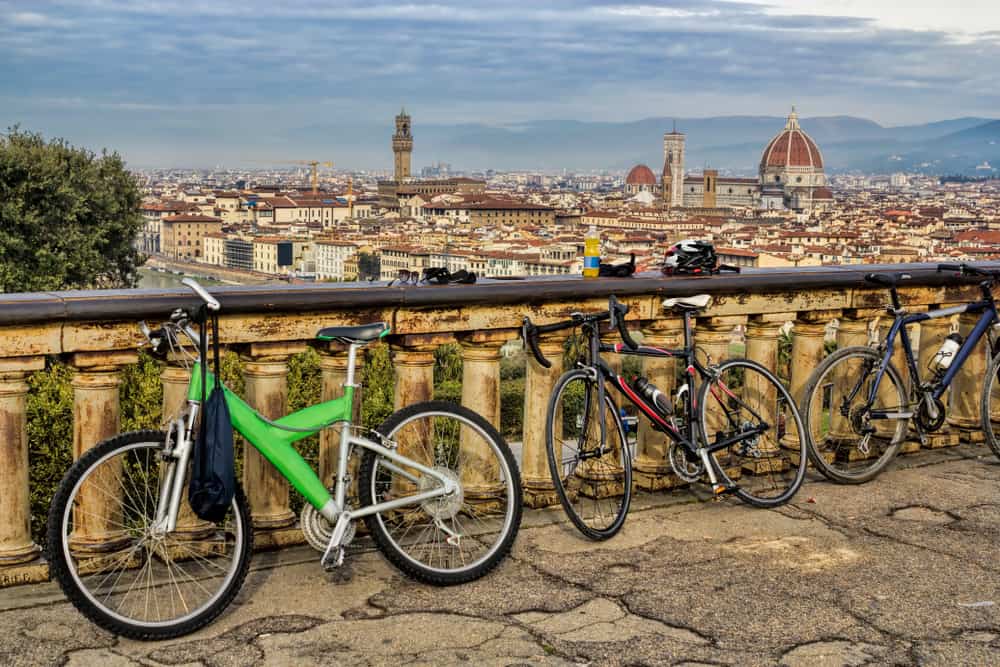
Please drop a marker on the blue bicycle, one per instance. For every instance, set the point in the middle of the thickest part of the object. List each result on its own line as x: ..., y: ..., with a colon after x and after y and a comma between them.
x: 858, y: 407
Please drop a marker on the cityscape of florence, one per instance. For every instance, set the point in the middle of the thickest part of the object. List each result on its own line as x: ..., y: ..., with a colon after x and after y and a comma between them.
x: 587, y: 332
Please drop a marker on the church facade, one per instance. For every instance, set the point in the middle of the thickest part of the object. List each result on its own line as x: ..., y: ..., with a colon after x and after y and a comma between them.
x: 790, y: 177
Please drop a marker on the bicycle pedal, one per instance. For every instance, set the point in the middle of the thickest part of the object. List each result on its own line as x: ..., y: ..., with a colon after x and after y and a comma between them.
x: 333, y: 559
x: 722, y: 490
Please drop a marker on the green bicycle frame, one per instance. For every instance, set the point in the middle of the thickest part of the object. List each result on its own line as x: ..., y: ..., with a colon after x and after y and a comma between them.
x: 275, y: 443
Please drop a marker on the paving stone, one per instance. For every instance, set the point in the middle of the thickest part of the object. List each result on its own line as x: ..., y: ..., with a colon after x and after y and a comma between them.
x: 832, y: 654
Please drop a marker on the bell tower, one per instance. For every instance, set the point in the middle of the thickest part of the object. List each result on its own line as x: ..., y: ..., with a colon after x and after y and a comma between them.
x: 402, y: 146
x: 673, y: 168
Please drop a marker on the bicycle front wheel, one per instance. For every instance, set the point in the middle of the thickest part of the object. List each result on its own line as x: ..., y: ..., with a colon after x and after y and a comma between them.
x: 592, y: 477
x: 745, y: 405
x: 851, y: 440
x: 121, y: 573
x: 449, y: 539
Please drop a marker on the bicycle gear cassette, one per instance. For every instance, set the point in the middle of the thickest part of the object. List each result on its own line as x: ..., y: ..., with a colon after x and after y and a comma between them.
x: 318, y: 531
x: 688, y: 470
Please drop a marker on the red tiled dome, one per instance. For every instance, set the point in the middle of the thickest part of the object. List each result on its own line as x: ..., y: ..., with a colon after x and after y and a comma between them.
x: 640, y: 175
x: 792, y: 148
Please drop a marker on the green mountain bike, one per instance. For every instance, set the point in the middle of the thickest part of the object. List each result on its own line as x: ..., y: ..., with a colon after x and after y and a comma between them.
x: 437, y: 486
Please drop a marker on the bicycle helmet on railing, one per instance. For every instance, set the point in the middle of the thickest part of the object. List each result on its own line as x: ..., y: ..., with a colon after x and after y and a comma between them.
x: 690, y: 257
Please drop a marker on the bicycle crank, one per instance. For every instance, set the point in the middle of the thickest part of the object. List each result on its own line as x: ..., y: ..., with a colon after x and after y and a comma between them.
x: 318, y: 531
x: 682, y: 465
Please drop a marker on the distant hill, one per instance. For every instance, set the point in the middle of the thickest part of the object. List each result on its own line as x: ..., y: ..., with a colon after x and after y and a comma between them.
x: 730, y: 143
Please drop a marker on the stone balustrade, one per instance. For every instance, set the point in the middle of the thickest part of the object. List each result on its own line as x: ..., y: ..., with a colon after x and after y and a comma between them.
x: 97, y: 334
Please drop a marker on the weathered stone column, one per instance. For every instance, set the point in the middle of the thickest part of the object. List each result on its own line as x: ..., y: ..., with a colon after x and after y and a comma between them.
x: 652, y: 470
x: 481, y: 393
x: 712, y: 339
x: 175, y: 379
x: 887, y: 394
x: 853, y: 330
x: 762, y: 335
x: 16, y: 546
x: 807, y: 352
x: 333, y: 371
x: 413, y: 360
x: 967, y: 387
x: 97, y: 518
x: 932, y: 334
x: 538, y: 385
x: 265, y: 372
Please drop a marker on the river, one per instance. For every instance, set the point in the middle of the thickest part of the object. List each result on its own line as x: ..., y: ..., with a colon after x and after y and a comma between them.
x: 157, y: 279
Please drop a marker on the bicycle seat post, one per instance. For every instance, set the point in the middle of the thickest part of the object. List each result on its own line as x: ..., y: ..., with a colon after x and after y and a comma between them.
x: 352, y: 355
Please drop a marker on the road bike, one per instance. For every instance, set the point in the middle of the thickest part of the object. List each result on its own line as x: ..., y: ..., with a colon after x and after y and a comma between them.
x: 858, y: 406
x: 742, y: 429
x: 437, y: 486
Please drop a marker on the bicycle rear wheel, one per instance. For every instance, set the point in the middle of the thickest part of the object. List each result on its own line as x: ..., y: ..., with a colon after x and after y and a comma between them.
x: 593, y: 479
x: 746, y: 404
x: 989, y: 408
x: 454, y: 538
x: 117, y: 570
x: 851, y: 442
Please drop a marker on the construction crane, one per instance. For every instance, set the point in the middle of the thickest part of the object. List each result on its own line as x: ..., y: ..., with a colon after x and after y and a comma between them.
x: 314, y: 165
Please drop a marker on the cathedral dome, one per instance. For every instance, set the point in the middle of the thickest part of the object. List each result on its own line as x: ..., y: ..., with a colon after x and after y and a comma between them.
x: 791, y: 148
x: 640, y: 175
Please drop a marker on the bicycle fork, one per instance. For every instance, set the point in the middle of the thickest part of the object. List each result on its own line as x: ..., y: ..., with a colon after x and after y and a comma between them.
x: 175, y: 458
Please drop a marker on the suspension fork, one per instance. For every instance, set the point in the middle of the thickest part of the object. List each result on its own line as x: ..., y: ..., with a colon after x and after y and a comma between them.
x: 175, y: 463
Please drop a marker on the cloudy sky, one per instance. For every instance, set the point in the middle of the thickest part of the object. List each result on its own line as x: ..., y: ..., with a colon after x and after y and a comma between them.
x: 137, y: 75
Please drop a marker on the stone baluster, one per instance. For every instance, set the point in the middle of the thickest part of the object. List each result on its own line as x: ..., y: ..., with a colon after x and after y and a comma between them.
x: 413, y: 361
x: 762, y: 335
x: 538, y: 385
x: 932, y: 334
x: 19, y: 561
x: 481, y: 394
x: 713, y: 337
x: 887, y: 394
x: 97, y: 518
x: 652, y: 470
x: 175, y: 378
x: 333, y: 372
x: 265, y: 372
x: 808, y: 337
x: 967, y: 387
x: 854, y: 329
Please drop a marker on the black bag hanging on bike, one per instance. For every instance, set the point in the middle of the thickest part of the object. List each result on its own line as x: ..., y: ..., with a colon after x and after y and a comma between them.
x: 213, y: 470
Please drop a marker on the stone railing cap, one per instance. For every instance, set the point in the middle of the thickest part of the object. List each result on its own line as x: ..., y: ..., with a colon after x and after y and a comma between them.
x: 109, y: 305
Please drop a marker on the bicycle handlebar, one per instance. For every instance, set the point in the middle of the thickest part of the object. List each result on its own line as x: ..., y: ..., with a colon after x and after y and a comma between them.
x: 209, y: 300
x: 615, y: 315
x: 617, y: 310
x: 967, y: 270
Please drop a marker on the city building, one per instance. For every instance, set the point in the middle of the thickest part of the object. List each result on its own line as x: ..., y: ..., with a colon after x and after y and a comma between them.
x: 640, y: 179
x: 182, y: 236
x: 792, y: 168
x: 395, y: 194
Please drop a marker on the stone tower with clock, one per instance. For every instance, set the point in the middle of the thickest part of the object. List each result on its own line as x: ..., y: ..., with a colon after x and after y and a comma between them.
x: 402, y: 146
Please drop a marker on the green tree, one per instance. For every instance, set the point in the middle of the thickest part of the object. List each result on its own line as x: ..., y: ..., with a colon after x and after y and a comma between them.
x: 68, y: 217
x: 368, y: 265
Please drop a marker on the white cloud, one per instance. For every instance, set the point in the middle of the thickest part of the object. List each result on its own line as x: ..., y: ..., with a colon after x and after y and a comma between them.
x: 960, y: 18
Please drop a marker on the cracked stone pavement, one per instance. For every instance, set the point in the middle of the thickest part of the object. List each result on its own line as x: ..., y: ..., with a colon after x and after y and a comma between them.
x: 903, y: 570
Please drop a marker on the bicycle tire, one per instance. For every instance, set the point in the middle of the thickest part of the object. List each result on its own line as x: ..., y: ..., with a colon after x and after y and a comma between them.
x: 807, y: 409
x: 781, y: 392
x: 621, y: 511
x: 985, y: 408
x: 62, y: 571
x: 368, y: 477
